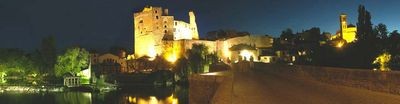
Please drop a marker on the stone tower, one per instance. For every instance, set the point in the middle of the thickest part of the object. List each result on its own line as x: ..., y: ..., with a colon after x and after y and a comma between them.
x: 343, y: 23
x: 150, y: 27
x: 347, y: 32
x: 193, y: 25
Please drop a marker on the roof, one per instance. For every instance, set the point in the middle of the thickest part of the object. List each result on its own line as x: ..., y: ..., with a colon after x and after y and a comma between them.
x: 239, y: 47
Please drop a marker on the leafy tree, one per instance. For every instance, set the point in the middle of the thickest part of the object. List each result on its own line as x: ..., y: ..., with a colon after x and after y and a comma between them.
x: 381, y: 31
x: 182, y: 67
x: 364, y: 25
x: 16, y: 61
x: 394, y: 42
x: 361, y: 53
x: 383, y: 61
x: 197, y: 57
x: 225, y: 34
x: 72, y: 61
x: 47, y: 54
x: 287, y: 34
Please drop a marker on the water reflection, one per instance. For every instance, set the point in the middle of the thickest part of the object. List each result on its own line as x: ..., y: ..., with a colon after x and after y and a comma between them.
x: 73, y: 98
x: 152, y: 100
x: 137, y: 95
x: 131, y: 95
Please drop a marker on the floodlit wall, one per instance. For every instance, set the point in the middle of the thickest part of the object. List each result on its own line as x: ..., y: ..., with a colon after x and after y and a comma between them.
x: 257, y: 41
x: 349, y: 34
x: 183, y: 30
x: 150, y: 27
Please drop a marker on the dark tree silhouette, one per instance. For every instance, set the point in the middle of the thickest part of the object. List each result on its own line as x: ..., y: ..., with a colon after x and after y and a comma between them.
x: 381, y: 31
x: 48, y: 54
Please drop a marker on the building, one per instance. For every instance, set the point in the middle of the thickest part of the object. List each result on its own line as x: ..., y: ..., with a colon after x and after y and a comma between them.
x: 153, y: 25
x: 159, y: 34
x: 347, y: 32
x: 108, y: 63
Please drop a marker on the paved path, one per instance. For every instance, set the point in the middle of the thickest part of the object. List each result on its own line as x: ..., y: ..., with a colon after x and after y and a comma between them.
x: 263, y: 87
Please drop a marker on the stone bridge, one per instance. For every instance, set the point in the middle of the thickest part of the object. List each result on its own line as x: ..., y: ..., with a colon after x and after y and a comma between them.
x: 282, y: 84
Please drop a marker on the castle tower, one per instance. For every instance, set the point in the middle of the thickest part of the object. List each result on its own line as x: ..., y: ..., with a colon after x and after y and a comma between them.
x: 193, y: 25
x: 150, y: 27
x: 343, y: 23
x: 347, y: 32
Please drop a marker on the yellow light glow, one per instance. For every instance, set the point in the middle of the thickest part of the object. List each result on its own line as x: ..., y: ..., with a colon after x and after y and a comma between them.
x: 153, y: 100
x: 383, y: 61
x: 340, y: 45
x: 226, y: 52
x: 171, y: 58
x: 211, y: 74
x: 246, y: 54
x: 132, y: 99
x: 171, y: 54
x: 172, y: 99
x: 152, y: 52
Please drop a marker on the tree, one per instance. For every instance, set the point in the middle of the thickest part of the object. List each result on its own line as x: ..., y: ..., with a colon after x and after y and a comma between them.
x: 15, y: 61
x: 225, y: 34
x: 364, y: 25
x: 182, y: 68
x: 47, y: 54
x: 72, y: 61
x: 287, y: 34
x: 363, y: 51
x: 381, y: 31
x: 383, y: 60
x: 394, y: 42
x: 197, y: 57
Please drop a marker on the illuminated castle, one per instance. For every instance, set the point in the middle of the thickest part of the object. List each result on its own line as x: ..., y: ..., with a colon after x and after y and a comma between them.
x: 346, y: 32
x: 153, y: 25
x: 158, y: 34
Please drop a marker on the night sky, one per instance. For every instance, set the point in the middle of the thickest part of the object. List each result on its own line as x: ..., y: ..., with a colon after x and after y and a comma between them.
x: 99, y: 24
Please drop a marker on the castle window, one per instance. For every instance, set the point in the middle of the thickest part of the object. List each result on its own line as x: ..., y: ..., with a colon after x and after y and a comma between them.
x: 176, y: 23
x: 165, y: 31
x: 156, y: 11
x: 156, y: 17
x: 165, y: 26
x: 141, y: 21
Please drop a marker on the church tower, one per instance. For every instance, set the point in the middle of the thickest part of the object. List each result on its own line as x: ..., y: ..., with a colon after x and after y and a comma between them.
x: 193, y: 25
x: 343, y: 23
x: 347, y: 32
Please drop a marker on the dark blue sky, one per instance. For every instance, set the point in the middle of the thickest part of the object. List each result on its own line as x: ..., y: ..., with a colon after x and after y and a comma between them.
x: 103, y: 23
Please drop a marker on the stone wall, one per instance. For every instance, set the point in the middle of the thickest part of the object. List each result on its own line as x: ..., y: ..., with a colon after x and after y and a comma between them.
x: 388, y: 82
x: 202, y: 88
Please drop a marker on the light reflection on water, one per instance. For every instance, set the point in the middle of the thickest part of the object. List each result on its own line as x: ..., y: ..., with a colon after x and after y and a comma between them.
x: 143, y: 95
x: 152, y: 100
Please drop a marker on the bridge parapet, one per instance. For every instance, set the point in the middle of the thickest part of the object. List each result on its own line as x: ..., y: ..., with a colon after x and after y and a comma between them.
x: 388, y: 82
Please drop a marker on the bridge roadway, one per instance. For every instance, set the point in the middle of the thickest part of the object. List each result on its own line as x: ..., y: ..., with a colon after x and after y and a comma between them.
x: 264, y: 87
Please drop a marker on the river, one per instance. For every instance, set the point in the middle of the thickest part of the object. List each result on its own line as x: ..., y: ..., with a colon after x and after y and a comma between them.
x: 129, y: 95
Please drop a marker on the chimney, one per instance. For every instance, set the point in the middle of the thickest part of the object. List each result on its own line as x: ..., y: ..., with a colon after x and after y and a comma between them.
x: 166, y: 12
